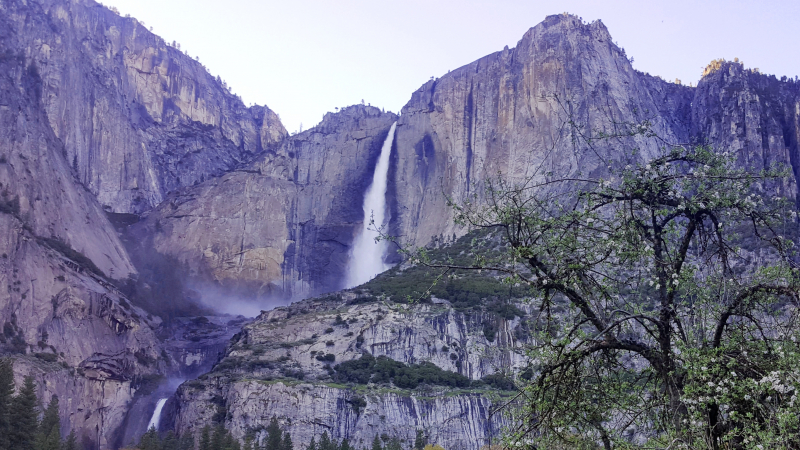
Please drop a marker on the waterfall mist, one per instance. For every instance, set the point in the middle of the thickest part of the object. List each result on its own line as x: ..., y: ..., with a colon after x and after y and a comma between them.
x: 366, y: 255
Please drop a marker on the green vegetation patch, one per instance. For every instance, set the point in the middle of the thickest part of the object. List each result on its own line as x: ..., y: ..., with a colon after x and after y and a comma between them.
x: 382, y: 369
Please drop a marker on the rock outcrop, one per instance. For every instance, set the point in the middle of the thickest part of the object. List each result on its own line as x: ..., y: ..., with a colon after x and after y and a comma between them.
x: 277, y: 367
x: 138, y: 118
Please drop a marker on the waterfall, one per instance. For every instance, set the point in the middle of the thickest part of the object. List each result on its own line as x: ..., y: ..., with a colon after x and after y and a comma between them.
x: 157, y: 414
x: 366, y: 256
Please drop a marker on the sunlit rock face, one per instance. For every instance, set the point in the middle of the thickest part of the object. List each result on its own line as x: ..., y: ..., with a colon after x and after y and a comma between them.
x: 138, y: 118
x: 754, y: 116
x: 507, y: 114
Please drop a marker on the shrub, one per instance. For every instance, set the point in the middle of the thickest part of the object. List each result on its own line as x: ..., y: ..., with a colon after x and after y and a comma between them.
x: 382, y: 369
x: 329, y: 357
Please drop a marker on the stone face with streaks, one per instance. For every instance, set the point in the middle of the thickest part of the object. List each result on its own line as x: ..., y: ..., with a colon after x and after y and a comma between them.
x: 259, y: 377
x: 138, y: 118
x: 282, y: 225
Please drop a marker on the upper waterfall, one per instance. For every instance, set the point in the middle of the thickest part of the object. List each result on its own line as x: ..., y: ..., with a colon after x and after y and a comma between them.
x: 366, y: 255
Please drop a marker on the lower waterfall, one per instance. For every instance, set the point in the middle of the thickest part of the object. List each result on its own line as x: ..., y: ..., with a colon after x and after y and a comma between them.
x: 157, y: 414
x: 366, y: 256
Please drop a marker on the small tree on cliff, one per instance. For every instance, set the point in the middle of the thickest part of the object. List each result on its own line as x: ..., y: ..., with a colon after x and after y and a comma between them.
x: 666, y: 306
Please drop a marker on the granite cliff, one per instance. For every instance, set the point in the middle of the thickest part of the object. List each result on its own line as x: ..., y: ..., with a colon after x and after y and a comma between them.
x: 100, y: 118
x: 281, y: 226
x: 518, y: 113
x: 281, y: 365
x: 137, y: 117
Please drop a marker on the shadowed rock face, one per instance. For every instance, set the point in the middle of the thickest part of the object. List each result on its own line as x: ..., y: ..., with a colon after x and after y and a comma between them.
x: 282, y: 225
x: 755, y: 116
x: 137, y: 117
x: 58, y: 253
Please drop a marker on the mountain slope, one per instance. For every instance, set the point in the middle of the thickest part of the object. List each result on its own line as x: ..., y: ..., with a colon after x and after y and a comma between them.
x: 138, y: 118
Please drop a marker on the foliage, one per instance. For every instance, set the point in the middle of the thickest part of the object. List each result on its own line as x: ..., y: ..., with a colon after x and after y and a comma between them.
x: 82, y: 260
x: 382, y: 369
x: 666, y: 302
x: 22, y: 417
x: 464, y: 289
x: 6, y: 392
x: 48, y: 434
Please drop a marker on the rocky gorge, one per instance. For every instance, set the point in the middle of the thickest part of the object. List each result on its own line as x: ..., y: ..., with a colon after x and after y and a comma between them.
x: 119, y: 153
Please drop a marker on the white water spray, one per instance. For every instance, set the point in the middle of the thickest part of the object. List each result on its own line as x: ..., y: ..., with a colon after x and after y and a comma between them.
x: 366, y: 256
x: 156, y: 414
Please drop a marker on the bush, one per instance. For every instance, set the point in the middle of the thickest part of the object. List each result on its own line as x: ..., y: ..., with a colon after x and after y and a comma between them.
x: 47, y: 357
x: 64, y: 248
x: 499, y: 381
x: 329, y: 357
x: 382, y: 369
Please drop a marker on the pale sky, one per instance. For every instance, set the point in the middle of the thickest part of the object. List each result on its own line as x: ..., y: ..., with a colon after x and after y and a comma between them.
x: 303, y: 58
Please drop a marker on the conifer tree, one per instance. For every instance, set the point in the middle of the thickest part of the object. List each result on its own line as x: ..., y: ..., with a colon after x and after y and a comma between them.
x: 218, y: 438
x: 287, y: 442
x: 150, y: 440
x: 274, y: 440
x: 345, y: 445
x: 420, y: 441
x: 6, y: 391
x: 186, y: 442
x: 72, y: 442
x: 23, y: 417
x: 325, y: 442
x: 376, y: 443
x: 170, y: 441
x: 48, y: 436
x: 248, y: 443
x: 394, y: 444
x: 312, y: 445
x: 205, y: 438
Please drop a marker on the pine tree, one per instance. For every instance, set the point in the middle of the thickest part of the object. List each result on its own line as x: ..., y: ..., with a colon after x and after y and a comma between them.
x: 273, y: 435
x: 48, y: 436
x: 325, y: 442
x: 150, y: 440
x: 420, y: 441
x: 345, y: 445
x: 287, y: 442
x: 376, y: 443
x: 312, y: 445
x: 170, y: 442
x: 72, y: 441
x: 394, y: 444
x: 218, y: 438
x: 205, y: 438
x: 6, y: 391
x: 186, y: 442
x: 23, y: 417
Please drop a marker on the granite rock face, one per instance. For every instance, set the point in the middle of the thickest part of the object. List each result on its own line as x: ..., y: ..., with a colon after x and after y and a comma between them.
x: 260, y: 375
x: 138, y: 118
x: 509, y: 114
x: 280, y: 226
x: 753, y: 115
x: 63, y: 320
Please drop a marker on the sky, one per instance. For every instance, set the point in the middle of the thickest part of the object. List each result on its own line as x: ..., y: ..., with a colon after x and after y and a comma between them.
x: 303, y: 58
